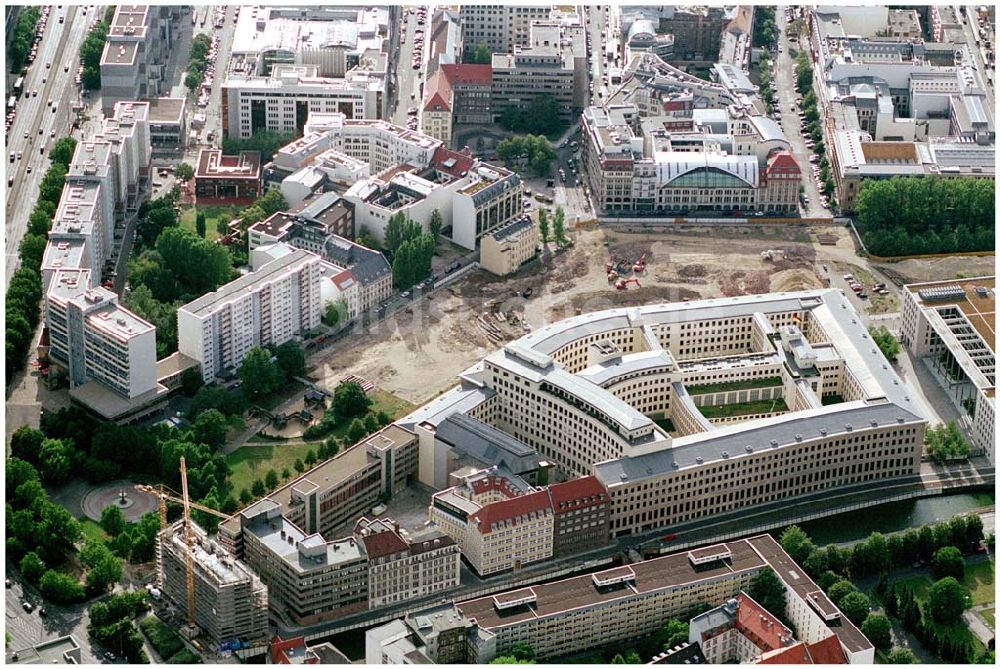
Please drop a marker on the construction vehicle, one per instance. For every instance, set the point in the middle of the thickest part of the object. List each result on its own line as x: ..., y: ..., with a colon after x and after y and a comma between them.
x: 612, y: 276
x: 191, y: 631
x: 640, y: 265
x: 770, y: 255
x: 623, y: 284
x: 610, y: 264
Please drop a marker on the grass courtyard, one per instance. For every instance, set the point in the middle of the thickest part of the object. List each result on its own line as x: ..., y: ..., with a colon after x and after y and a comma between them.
x: 213, y: 214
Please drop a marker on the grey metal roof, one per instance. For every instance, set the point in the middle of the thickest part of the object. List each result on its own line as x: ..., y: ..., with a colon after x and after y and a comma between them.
x: 365, y: 264
x: 512, y: 228
x: 486, y: 443
x: 767, y: 433
x: 606, y: 373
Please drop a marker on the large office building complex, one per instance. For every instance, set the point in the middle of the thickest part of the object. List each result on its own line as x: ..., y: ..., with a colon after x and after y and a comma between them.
x: 950, y: 325
x: 767, y: 396
x: 136, y: 49
x: 290, y: 62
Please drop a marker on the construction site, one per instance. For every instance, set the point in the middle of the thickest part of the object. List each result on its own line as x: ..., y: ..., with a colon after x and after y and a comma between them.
x: 417, y: 353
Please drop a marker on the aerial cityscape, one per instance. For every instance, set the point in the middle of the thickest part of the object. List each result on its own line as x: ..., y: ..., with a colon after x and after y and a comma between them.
x: 500, y: 334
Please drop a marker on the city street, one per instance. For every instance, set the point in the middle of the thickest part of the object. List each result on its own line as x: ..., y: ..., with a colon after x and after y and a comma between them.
x: 37, y: 120
x: 784, y: 76
x: 27, y: 629
x: 408, y: 81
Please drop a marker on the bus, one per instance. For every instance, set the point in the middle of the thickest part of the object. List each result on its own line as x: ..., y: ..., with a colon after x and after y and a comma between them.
x: 11, y: 103
x: 19, y: 86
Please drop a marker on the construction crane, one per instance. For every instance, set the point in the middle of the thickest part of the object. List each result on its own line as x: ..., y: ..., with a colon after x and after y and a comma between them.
x: 188, y: 532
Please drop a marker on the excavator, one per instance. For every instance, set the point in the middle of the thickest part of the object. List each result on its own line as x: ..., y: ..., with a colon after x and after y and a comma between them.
x: 640, y: 265
x: 623, y: 284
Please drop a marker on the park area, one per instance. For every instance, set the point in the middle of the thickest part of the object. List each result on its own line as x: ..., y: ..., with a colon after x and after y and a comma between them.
x: 213, y: 216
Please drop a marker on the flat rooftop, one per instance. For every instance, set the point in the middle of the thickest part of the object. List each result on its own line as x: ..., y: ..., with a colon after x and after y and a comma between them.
x: 979, y: 309
x: 580, y: 592
x: 213, y: 164
x: 166, y: 110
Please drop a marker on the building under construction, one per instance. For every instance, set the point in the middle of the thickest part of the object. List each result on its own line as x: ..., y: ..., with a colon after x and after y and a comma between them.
x: 230, y: 602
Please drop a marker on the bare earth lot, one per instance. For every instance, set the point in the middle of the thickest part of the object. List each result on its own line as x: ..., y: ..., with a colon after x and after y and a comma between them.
x: 418, y: 355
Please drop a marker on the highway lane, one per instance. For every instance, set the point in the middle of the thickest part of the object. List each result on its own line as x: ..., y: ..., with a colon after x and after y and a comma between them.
x: 60, y: 47
x: 971, y: 27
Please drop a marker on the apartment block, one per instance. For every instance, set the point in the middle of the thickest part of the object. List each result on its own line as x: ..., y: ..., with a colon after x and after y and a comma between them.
x: 503, y: 251
x: 136, y: 49
x: 500, y: 522
x: 500, y: 27
x: 530, y: 72
x: 94, y: 339
x: 581, y: 512
x: 230, y: 601
x: 222, y: 178
x: 950, y: 326
x: 267, y: 307
x: 80, y: 237
x: 403, y: 566
x: 168, y: 123
x: 596, y: 610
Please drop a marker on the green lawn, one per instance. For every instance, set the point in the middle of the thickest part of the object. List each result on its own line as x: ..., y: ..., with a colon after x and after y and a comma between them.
x: 92, y: 530
x: 832, y: 399
x: 744, y: 384
x: 164, y: 640
x: 665, y: 424
x: 979, y: 580
x: 989, y: 615
x: 252, y: 462
x: 212, y: 216
x: 744, y: 408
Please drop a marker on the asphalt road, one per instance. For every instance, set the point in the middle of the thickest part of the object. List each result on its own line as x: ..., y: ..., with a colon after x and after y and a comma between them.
x: 784, y: 76
x: 60, y: 47
x: 408, y: 80
x: 971, y: 27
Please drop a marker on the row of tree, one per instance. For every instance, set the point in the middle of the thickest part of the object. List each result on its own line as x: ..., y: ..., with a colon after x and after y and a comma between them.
x: 935, y: 623
x: 23, y: 36
x: 91, y: 50
x: 24, y: 293
x: 541, y: 117
x: 945, y: 442
x: 916, y: 215
x: 765, y: 32
x: 532, y: 151
x: 558, y: 226
x: 112, y: 624
x: 197, y: 61
x: 410, y: 248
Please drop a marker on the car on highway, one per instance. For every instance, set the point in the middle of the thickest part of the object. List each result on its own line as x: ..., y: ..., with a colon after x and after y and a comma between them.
x: 29, y: 169
x: 26, y: 605
x: 8, y: 583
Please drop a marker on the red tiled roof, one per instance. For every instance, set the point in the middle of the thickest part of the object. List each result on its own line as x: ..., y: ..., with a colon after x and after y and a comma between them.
x: 784, y: 161
x: 577, y: 494
x: 383, y: 544
x: 463, y: 162
x: 827, y: 651
x: 468, y: 73
x: 439, y: 93
x: 279, y: 647
x: 343, y: 280
x: 794, y: 654
x: 510, y: 509
x: 758, y: 625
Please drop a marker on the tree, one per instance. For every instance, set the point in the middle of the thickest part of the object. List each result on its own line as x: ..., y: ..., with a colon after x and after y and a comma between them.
x: 675, y: 633
x: 32, y: 567
x: 26, y: 443
x: 184, y: 172
x: 436, y: 223
x: 299, y: 465
x: 901, y: 656
x: 258, y: 488
x: 839, y: 590
x: 878, y: 629
x: 291, y: 360
x: 311, y: 457
x: 559, y: 226
x: 335, y: 312
x: 947, y: 599
x: 199, y: 223
x: 112, y: 520
x: 271, y: 479
x: 356, y: 431
x: 543, y: 225
x: 885, y: 342
x: 523, y: 652
x: 482, y: 55
x: 797, y: 544
x: 948, y: 561
x: 191, y: 381
x: 855, y: 606
x: 285, y: 474
x: 199, y: 265
x: 60, y: 588
x: 54, y: 461
x: 104, y: 569
x: 618, y: 659
x: 259, y: 375
x: 350, y: 399
x: 768, y: 591
x: 371, y: 423
x: 210, y: 428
